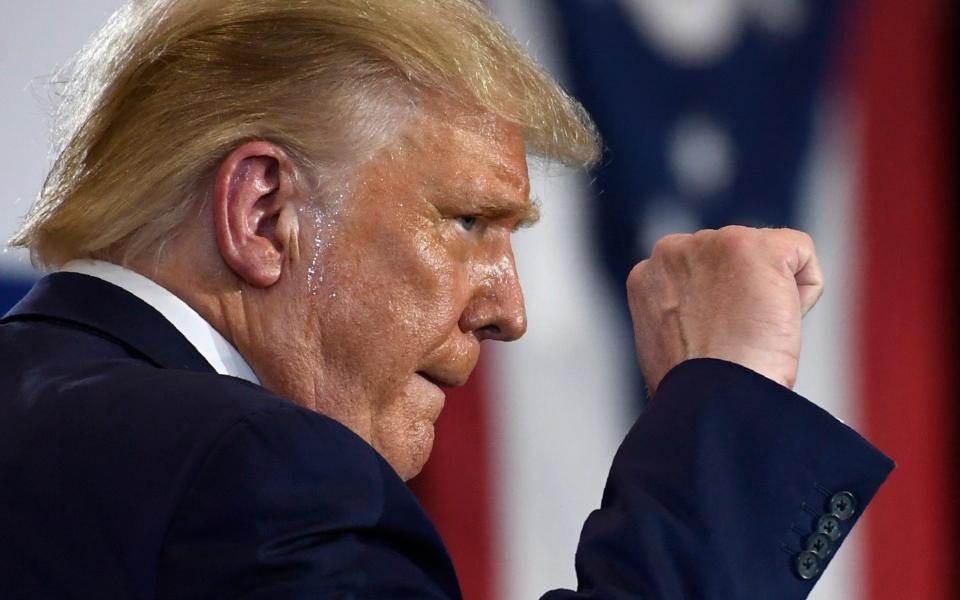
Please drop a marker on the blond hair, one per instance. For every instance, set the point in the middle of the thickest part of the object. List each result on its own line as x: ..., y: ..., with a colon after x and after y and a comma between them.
x: 168, y: 87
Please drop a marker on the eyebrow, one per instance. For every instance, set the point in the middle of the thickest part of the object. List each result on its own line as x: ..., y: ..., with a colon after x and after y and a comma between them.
x: 491, y: 208
x: 531, y: 216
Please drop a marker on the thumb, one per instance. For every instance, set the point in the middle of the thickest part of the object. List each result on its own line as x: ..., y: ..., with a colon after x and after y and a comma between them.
x: 808, y: 275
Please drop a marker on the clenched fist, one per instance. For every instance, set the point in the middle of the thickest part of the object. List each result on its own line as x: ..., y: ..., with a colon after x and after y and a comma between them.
x: 736, y: 294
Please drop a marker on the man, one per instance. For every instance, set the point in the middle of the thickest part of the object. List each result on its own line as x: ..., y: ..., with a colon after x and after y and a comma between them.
x: 281, y: 229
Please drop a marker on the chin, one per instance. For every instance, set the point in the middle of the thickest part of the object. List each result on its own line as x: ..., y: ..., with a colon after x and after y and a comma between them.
x: 413, y: 452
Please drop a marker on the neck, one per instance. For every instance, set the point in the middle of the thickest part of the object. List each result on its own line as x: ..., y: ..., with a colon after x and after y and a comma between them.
x: 215, y: 294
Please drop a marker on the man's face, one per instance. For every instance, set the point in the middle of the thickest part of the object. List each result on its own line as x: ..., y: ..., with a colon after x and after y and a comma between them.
x: 410, y: 274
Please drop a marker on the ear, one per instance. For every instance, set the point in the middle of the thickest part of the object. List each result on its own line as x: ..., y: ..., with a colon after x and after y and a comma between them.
x: 254, y: 211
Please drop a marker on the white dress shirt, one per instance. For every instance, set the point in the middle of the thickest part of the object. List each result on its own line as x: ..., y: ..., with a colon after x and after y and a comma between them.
x: 217, y: 351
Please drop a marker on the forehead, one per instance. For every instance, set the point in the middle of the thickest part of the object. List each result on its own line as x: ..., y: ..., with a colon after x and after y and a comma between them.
x: 460, y: 152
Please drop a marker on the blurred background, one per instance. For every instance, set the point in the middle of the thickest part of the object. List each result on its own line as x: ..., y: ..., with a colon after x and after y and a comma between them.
x: 825, y: 115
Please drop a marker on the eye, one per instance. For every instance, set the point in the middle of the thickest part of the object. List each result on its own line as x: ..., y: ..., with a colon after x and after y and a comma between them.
x: 467, y: 222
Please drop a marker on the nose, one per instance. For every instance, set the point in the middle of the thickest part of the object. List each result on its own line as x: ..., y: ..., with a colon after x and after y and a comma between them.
x: 496, y: 310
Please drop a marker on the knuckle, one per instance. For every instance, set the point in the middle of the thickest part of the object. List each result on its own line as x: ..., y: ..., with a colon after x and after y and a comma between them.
x: 736, y: 241
x: 670, y: 244
x: 794, y: 246
x: 795, y: 237
x: 635, y: 277
x: 735, y: 230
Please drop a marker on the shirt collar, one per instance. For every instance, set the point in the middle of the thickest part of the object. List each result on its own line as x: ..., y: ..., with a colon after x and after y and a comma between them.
x: 217, y: 351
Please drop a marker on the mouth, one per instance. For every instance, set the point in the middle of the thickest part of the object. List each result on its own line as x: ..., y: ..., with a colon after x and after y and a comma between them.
x: 442, y: 381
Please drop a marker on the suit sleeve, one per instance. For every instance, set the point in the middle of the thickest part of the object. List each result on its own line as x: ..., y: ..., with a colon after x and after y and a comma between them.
x: 728, y: 486
x: 716, y: 492
x: 289, y: 504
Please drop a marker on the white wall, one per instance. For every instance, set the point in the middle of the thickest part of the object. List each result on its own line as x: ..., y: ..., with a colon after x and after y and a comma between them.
x: 36, y: 37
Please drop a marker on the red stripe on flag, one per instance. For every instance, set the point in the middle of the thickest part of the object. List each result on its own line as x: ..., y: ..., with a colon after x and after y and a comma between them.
x: 905, y: 322
x: 455, y: 486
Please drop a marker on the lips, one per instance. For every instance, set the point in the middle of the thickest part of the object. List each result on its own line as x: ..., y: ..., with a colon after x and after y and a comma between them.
x: 450, y: 368
x: 441, y: 380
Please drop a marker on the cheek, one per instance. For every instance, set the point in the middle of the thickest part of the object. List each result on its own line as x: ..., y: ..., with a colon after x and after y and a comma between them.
x: 394, y: 299
x: 425, y: 283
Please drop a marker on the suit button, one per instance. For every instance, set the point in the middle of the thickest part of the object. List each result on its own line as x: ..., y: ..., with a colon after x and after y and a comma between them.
x: 808, y: 565
x: 843, y: 505
x: 830, y: 525
x: 820, y: 544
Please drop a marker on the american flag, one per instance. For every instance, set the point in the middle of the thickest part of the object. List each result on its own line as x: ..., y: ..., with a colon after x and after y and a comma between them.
x: 825, y: 115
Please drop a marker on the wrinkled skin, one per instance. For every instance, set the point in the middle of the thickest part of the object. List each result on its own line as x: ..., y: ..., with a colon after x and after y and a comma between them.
x: 418, y: 272
x: 364, y: 307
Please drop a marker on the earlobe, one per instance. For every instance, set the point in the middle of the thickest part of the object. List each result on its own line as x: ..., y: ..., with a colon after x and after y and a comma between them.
x: 253, y: 204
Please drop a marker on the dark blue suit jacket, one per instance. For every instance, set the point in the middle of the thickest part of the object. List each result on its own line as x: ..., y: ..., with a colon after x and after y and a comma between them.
x: 130, y: 469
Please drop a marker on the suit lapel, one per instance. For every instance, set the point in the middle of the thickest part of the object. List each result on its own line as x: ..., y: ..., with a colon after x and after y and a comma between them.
x: 95, y: 304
